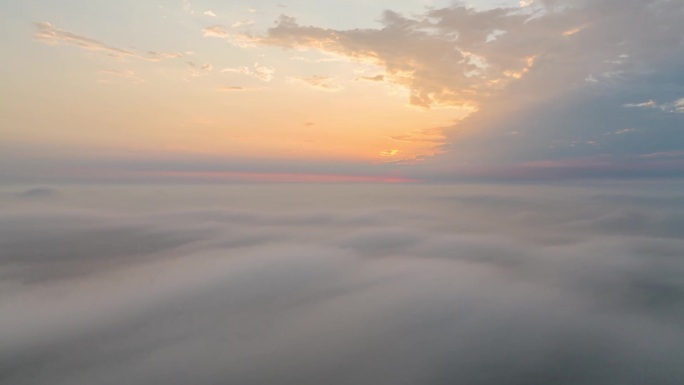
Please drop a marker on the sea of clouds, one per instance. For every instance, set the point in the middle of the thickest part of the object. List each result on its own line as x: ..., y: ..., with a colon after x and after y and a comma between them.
x: 338, y: 284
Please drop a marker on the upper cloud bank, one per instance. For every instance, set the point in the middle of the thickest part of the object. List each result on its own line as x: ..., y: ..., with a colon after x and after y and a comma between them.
x: 548, y: 81
x: 367, y: 285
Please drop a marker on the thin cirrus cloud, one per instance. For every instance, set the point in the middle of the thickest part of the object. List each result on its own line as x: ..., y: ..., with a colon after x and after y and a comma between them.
x: 49, y: 34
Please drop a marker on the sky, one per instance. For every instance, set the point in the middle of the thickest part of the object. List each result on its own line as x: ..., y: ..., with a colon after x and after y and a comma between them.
x: 341, y: 91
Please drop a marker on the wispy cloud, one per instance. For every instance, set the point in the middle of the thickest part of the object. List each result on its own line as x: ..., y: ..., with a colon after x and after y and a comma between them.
x: 623, y: 131
x: 431, y: 135
x: 376, y: 78
x: 236, y: 88
x: 389, y: 153
x: 202, y: 70
x: 221, y: 32
x: 49, y: 34
x: 673, y: 107
x: 209, y: 13
x: 261, y: 72
x: 187, y: 7
x: 647, y: 104
x: 215, y: 31
x: 664, y: 154
x: 325, y: 83
x: 243, y: 23
x: 128, y: 74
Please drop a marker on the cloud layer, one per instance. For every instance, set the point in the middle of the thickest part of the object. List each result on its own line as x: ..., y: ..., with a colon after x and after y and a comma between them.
x: 560, y: 74
x: 364, y: 285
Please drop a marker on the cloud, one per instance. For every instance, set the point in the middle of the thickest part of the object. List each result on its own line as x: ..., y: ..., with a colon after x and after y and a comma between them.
x: 148, y: 284
x: 47, y: 33
x: 261, y: 72
x: 541, y: 70
x: 444, y: 56
x: 238, y: 70
x: 202, y: 70
x: 420, y: 54
x: 236, y: 88
x: 219, y: 31
x: 215, y: 31
x: 243, y: 23
x: 127, y: 74
x: 325, y: 83
x: 209, y: 13
x: 666, y: 154
x: 389, y: 152
x: 648, y: 104
x: 231, y: 88
x: 675, y: 107
x: 187, y: 7
x: 623, y: 131
x: 39, y: 193
x: 376, y: 78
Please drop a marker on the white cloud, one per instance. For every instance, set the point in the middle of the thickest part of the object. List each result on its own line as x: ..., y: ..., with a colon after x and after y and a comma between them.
x: 647, y: 104
x: 674, y: 107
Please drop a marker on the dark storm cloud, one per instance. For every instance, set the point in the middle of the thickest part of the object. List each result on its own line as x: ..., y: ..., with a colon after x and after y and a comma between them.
x: 371, y: 285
